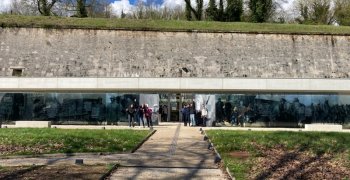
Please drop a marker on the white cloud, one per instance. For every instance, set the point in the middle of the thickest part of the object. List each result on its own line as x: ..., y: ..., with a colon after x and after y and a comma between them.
x: 5, y: 5
x: 172, y: 4
x: 122, y: 5
x: 288, y: 5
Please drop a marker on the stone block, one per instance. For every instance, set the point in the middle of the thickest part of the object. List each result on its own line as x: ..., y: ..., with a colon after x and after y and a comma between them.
x: 323, y: 127
x: 33, y: 124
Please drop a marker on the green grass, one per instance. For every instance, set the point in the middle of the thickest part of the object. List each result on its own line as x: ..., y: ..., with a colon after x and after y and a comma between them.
x: 255, y: 142
x: 41, y: 141
x: 167, y: 25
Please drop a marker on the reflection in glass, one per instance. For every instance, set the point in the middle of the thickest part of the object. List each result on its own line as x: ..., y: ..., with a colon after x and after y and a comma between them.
x: 260, y: 109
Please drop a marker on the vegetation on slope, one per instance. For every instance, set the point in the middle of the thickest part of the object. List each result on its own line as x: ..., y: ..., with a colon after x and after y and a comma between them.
x: 166, y: 25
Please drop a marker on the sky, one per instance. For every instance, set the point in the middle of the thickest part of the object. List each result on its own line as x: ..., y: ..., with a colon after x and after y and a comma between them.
x: 127, y: 6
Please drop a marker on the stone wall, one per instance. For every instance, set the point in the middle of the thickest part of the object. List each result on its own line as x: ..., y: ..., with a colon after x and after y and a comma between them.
x: 112, y: 53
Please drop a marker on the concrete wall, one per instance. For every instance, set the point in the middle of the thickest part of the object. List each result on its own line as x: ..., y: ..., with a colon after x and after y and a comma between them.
x: 216, y: 85
x: 103, y: 53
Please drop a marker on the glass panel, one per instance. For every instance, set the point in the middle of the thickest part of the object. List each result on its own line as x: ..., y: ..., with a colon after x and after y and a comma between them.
x: 259, y: 109
x: 290, y: 110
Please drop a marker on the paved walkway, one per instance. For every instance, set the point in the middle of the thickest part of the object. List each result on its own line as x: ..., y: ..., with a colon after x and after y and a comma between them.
x: 174, y: 151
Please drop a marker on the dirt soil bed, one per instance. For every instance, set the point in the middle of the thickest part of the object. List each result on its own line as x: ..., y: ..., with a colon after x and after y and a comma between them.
x: 54, y: 172
x: 279, y: 163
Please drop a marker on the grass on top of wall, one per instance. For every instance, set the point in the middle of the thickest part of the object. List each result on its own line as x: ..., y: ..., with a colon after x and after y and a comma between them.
x: 167, y: 25
x: 33, y: 141
x: 264, y: 155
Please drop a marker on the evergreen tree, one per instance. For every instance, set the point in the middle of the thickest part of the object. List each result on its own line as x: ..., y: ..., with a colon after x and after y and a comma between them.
x: 261, y: 10
x: 212, y: 10
x: 234, y: 10
x: 81, y: 9
x: 221, y: 13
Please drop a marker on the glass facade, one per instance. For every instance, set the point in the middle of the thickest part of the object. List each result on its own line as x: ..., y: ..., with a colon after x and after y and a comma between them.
x: 260, y: 109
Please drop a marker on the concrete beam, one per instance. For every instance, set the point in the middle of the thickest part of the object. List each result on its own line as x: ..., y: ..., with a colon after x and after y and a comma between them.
x: 210, y: 85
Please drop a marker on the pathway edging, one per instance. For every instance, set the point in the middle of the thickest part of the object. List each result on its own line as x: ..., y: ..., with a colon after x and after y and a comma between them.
x: 217, y: 154
x: 143, y: 141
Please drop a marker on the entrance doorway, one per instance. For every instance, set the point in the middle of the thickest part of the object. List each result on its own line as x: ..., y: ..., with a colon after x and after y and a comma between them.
x: 172, y: 103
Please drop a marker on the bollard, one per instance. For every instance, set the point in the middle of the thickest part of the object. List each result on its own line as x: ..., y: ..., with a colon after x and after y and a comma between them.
x: 205, y: 138
x: 210, y: 146
x: 103, y: 127
x: 217, y: 158
x: 200, y: 129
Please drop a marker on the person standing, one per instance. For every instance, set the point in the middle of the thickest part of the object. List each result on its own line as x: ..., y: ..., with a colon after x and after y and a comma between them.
x: 140, y: 115
x: 160, y: 112
x: 228, y: 110
x: 165, y: 113
x: 131, y: 113
x: 234, y: 118
x: 183, y: 112
x: 204, y: 113
x: 186, y: 114
x: 192, y: 112
x: 219, y: 107
x: 136, y: 108
x: 148, y: 115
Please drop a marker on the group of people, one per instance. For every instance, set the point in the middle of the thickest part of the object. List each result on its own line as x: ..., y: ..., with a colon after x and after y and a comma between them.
x: 236, y: 115
x: 137, y: 113
x: 189, y: 115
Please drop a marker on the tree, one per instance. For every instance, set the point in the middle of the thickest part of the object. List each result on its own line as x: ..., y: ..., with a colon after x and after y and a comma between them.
x: 342, y: 12
x: 24, y: 7
x: 315, y: 12
x: 81, y: 8
x: 188, y: 12
x: 234, y: 10
x: 44, y: 6
x: 221, y: 13
x: 261, y: 10
x: 212, y: 10
x: 198, y: 12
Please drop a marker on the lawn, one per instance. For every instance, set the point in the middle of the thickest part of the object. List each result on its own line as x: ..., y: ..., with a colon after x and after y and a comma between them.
x: 55, y: 172
x: 284, y: 155
x: 167, y: 25
x: 30, y: 141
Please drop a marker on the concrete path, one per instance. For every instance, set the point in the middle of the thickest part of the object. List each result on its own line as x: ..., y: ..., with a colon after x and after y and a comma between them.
x: 175, y: 152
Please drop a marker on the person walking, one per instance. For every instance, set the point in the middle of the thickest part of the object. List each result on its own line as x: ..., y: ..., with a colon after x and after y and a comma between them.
x: 148, y: 115
x: 131, y: 113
